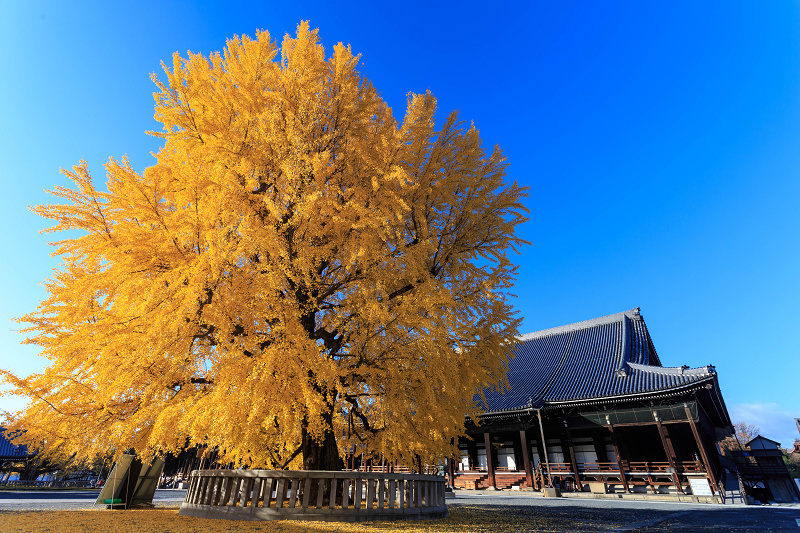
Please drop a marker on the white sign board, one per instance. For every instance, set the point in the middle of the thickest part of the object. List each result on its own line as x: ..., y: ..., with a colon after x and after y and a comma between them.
x: 700, y: 486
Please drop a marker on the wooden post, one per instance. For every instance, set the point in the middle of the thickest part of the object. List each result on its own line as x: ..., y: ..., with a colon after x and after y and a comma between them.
x: 576, y: 477
x: 662, y: 432
x: 709, y: 471
x: 602, y: 455
x: 544, y: 447
x: 650, y: 479
x: 451, y: 468
x: 518, y: 461
x: 472, y: 454
x: 622, y: 475
x: 489, y: 460
x: 538, y: 480
x: 526, y: 457
x: 599, y: 448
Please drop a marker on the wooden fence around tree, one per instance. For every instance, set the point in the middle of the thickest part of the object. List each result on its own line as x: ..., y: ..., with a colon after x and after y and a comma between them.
x: 313, y: 495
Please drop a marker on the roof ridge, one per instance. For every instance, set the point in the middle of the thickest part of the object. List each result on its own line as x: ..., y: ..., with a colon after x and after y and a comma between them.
x: 760, y: 436
x: 625, y: 356
x: 577, y: 326
x: 674, y: 370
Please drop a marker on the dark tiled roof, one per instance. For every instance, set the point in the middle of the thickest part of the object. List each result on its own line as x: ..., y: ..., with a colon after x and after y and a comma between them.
x: 9, y: 450
x: 606, y: 357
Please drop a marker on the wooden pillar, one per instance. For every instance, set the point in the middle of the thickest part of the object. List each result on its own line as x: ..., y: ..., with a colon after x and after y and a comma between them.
x: 526, y: 457
x: 451, y: 471
x: 191, y: 464
x: 451, y: 463
x: 518, y: 460
x: 665, y: 441
x: 540, y: 451
x: 472, y: 454
x: 576, y: 476
x: 622, y: 473
x: 650, y: 480
x: 709, y: 471
x: 543, y: 447
x: 602, y: 455
x: 599, y: 447
x: 489, y: 459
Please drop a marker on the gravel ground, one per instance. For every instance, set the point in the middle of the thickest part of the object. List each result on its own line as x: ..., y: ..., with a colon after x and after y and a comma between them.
x: 470, y: 511
x: 632, y: 515
x: 72, y: 500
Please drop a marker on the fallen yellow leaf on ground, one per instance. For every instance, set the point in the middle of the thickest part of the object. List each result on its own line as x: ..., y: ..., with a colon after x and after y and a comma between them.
x: 461, y: 519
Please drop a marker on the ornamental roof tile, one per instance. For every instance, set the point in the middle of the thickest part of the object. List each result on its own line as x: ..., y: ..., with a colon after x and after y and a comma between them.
x: 602, y: 358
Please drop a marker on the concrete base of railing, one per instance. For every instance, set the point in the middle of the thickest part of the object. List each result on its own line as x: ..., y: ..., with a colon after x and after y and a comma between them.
x: 313, y: 495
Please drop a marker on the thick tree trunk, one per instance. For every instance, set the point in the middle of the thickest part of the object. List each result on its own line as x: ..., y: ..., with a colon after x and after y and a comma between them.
x: 321, y: 454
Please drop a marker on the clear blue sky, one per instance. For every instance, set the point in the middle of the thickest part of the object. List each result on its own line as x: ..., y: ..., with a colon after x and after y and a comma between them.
x: 660, y: 140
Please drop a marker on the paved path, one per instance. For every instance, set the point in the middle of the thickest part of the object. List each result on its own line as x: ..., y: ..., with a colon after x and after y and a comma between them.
x: 633, y: 515
x: 566, y: 513
x: 65, y: 500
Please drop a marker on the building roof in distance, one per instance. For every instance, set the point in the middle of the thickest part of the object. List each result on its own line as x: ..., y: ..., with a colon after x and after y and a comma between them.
x: 588, y: 362
x: 9, y: 450
x: 763, y: 443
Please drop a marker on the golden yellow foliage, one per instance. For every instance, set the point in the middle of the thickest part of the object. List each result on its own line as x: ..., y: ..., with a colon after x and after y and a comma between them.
x: 472, y: 519
x: 297, y: 272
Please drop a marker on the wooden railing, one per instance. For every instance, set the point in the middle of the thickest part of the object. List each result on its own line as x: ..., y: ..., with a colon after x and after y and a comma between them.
x: 600, y: 467
x: 558, y: 468
x: 633, y: 467
x: 313, y: 495
x: 498, y: 470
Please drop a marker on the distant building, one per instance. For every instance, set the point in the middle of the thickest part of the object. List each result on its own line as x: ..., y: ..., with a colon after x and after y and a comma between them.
x: 797, y: 441
x: 10, y: 451
x: 591, y: 408
x: 12, y: 457
x: 763, y: 472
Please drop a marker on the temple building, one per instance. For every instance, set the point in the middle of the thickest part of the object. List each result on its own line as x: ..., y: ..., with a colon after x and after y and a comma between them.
x: 13, y: 457
x: 590, y: 408
x: 763, y: 472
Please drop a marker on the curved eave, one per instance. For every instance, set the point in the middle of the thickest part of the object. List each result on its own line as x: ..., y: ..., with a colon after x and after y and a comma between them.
x: 663, y: 393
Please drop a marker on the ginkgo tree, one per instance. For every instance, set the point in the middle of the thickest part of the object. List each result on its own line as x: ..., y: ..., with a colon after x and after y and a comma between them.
x: 297, y: 274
